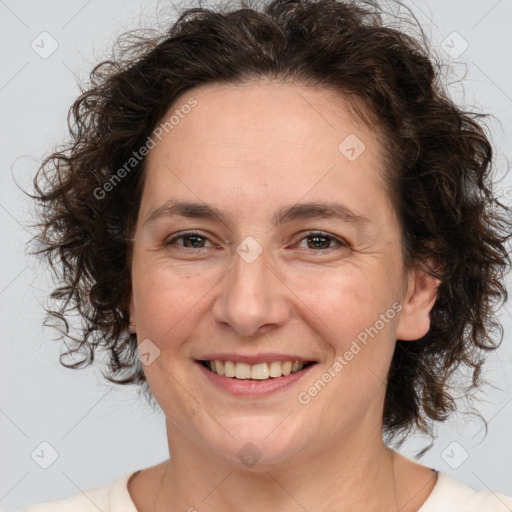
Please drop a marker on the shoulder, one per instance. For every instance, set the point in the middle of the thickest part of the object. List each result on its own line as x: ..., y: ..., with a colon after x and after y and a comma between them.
x: 110, y: 498
x: 449, y: 495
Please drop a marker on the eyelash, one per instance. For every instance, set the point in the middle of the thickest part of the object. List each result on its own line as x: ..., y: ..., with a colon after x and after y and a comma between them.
x: 311, y: 234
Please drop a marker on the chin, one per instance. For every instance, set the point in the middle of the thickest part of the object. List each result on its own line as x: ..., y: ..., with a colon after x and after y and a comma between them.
x: 260, y: 448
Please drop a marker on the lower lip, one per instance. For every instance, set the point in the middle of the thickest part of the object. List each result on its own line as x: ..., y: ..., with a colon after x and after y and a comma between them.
x: 259, y: 388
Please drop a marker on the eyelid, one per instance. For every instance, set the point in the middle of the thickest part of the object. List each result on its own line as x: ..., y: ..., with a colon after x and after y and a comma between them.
x: 304, y: 235
x: 341, y: 241
x: 186, y: 233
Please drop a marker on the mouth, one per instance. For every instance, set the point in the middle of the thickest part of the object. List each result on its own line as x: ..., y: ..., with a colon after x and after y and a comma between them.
x: 256, y: 372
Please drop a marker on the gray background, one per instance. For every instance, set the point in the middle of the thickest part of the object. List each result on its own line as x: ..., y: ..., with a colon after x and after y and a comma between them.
x: 98, y: 431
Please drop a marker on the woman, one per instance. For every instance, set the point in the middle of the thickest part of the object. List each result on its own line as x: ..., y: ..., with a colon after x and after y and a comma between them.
x: 284, y: 231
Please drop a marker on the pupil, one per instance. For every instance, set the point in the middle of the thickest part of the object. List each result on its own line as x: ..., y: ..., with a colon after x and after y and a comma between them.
x: 189, y: 238
x: 316, y: 238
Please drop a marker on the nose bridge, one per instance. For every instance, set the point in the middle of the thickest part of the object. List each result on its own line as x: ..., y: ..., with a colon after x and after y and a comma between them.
x: 250, y: 297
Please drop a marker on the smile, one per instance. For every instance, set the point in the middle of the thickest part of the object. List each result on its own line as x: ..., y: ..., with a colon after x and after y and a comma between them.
x: 256, y: 377
x: 260, y: 371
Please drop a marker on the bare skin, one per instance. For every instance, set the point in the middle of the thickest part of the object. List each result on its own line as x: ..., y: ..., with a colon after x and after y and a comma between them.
x: 417, y: 483
x: 250, y: 151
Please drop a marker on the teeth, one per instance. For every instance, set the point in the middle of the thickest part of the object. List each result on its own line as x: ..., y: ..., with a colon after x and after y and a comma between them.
x: 242, y: 371
x: 275, y: 369
x: 286, y: 367
x: 260, y: 371
x: 229, y: 368
x: 219, y: 367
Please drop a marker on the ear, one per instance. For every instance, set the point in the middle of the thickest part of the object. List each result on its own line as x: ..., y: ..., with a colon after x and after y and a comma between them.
x: 421, y: 294
x: 131, y: 309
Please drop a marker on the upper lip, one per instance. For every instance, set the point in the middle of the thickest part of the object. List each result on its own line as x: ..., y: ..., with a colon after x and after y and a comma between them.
x: 254, y: 359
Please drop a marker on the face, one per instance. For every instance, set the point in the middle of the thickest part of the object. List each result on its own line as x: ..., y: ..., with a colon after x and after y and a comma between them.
x: 294, y: 256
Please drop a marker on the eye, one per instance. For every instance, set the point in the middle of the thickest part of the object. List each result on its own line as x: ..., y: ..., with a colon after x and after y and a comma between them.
x: 191, y: 240
x: 322, y: 241
x: 317, y: 241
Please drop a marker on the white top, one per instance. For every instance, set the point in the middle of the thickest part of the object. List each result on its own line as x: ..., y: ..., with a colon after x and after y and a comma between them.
x: 448, y: 495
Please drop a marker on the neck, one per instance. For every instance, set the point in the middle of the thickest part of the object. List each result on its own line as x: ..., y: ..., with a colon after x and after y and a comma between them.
x: 358, y: 474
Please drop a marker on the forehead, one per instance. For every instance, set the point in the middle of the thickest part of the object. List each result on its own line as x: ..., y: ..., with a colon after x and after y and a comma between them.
x: 269, y: 107
x: 263, y: 141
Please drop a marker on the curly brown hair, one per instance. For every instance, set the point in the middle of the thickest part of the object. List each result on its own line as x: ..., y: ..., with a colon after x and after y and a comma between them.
x: 439, y: 161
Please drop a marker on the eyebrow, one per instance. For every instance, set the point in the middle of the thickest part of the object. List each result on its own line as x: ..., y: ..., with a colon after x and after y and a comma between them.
x: 300, y: 211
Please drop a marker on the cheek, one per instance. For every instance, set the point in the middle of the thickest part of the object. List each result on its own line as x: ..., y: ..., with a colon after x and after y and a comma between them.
x: 355, y: 315
x: 346, y: 300
x: 166, y: 302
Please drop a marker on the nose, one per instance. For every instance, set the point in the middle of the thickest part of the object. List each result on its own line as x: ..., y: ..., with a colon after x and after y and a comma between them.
x: 252, y: 297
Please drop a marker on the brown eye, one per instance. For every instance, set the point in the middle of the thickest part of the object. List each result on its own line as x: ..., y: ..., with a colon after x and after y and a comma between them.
x: 318, y: 241
x: 191, y: 240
